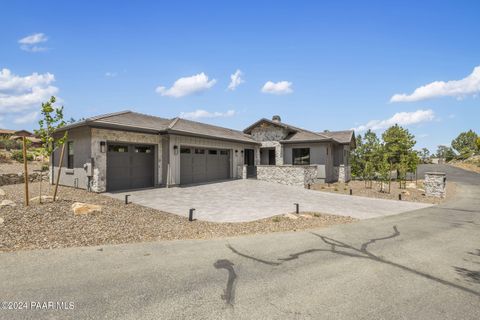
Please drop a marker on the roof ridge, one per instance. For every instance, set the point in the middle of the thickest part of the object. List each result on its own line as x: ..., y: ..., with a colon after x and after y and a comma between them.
x: 106, y: 115
x: 210, y: 125
x: 173, y: 123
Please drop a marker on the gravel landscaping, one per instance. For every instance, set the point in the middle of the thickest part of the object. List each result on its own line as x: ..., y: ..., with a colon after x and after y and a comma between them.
x: 53, y: 225
x: 414, y: 193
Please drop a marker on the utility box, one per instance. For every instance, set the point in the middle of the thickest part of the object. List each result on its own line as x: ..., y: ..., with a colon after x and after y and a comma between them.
x: 435, y: 184
x: 88, y: 169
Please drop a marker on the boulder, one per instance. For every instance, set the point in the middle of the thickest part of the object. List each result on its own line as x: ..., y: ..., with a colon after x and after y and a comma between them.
x: 307, y: 216
x: 80, y: 208
x: 7, y: 203
x: 405, y: 192
x: 44, y: 199
x: 291, y: 216
x: 1, y: 221
x: 411, y: 185
x: 2, y: 193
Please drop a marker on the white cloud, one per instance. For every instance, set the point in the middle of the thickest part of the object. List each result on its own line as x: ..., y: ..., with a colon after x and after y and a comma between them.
x: 26, y: 118
x: 10, y: 82
x: 200, y: 113
x: 236, y: 80
x: 187, y: 85
x: 111, y: 74
x: 281, y: 87
x: 29, y: 43
x: 400, y: 118
x: 18, y: 94
x: 469, y: 85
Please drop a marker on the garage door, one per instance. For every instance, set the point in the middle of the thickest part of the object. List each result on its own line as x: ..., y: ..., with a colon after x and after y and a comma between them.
x: 203, y: 165
x: 130, y: 166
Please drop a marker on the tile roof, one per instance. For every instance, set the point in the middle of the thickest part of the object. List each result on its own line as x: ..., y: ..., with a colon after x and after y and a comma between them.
x: 344, y: 136
x: 137, y: 121
x: 197, y: 128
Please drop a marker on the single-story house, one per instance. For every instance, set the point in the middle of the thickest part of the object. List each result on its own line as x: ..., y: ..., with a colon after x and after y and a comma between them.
x: 129, y: 150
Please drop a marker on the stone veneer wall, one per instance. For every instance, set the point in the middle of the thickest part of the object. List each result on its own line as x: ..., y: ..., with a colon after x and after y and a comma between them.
x: 435, y: 184
x: 342, y: 173
x: 16, y: 178
x: 287, y: 174
x: 98, y: 183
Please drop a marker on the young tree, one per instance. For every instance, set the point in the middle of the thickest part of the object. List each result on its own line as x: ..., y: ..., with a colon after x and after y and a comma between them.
x: 424, y: 154
x: 52, y: 119
x: 445, y: 152
x: 398, y: 141
x: 465, y: 144
x: 403, y: 168
x: 357, y: 162
x: 478, y: 144
x: 384, y: 170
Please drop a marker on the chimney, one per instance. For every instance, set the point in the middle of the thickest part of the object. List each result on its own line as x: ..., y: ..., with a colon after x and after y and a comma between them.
x: 276, y: 118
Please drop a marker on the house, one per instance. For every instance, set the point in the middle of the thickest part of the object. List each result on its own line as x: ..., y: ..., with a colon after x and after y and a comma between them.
x: 17, y: 135
x: 128, y: 150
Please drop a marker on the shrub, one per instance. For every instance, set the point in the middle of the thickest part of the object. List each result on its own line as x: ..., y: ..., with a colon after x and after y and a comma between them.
x: 18, y: 156
x: 276, y: 219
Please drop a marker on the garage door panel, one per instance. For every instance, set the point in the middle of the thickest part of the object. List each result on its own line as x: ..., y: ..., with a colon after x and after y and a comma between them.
x: 203, y: 165
x: 130, y: 166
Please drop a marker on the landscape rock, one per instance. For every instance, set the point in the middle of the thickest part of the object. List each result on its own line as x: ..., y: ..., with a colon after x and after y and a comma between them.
x: 291, y: 216
x: 405, y: 192
x: 7, y: 203
x: 1, y: 221
x: 80, y: 208
x: 307, y: 216
x: 411, y: 185
x: 2, y: 193
x: 44, y: 199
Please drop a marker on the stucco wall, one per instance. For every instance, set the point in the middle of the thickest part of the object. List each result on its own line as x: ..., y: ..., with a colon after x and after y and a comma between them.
x: 99, y: 183
x: 318, y: 156
x: 81, y: 149
x: 299, y: 176
x: 236, y: 158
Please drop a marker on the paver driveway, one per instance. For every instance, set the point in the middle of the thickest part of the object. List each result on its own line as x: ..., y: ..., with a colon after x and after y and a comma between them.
x: 247, y: 200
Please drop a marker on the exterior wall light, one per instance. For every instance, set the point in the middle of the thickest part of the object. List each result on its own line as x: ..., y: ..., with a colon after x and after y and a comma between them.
x: 175, y: 149
x: 102, y: 146
x: 236, y: 151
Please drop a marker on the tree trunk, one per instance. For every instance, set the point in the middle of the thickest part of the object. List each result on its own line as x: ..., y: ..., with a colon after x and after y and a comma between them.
x: 59, y: 172
x: 25, y: 170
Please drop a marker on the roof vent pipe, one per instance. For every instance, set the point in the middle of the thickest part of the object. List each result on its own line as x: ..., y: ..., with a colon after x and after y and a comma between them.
x: 276, y: 118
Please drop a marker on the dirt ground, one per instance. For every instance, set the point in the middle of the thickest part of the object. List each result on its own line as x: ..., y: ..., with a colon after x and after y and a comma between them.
x: 12, y: 166
x: 466, y: 166
x: 53, y: 225
x: 413, y: 192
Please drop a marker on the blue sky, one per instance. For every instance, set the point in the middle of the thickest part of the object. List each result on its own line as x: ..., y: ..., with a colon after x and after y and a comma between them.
x: 318, y: 65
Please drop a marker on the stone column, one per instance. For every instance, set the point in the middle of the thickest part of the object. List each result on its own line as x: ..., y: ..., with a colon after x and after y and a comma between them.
x: 435, y: 184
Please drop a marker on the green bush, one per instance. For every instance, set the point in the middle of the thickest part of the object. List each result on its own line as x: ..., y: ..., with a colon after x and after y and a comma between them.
x: 18, y: 156
x: 8, y: 144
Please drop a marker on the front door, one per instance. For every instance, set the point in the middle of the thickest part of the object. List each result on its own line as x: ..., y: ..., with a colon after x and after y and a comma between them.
x: 271, y: 157
x: 249, y: 161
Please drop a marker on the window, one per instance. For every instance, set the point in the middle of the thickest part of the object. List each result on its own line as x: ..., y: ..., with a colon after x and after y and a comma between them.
x: 301, y: 156
x: 117, y: 148
x: 212, y: 151
x: 70, y: 154
x: 224, y: 152
x: 200, y: 151
x: 184, y: 150
x: 143, y: 149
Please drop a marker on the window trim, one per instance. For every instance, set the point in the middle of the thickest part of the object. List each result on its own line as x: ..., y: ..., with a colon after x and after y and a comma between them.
x: 70, y: 156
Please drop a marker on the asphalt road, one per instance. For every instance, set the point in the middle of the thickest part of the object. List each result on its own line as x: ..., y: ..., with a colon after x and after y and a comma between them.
x: 423, y: 264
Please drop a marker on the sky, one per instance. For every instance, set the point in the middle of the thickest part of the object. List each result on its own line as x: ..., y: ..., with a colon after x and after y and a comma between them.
x: 319, y: 65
